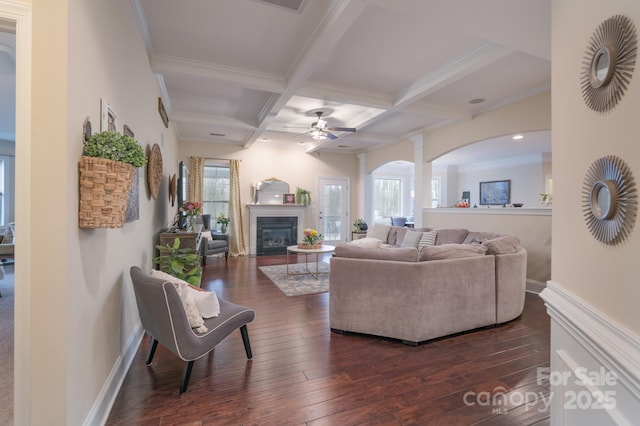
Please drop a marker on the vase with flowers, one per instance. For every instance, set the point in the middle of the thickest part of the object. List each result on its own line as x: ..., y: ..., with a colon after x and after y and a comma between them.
x: 311, y: 239
x: 223, y: 220
x: 190, y: 209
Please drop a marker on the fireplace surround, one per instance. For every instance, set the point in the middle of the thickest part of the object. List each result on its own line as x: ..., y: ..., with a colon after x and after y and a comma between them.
x: 274, y: 211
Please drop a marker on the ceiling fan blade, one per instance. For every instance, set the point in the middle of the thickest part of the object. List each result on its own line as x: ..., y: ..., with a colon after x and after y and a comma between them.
x: 331, y: 136
x: 342, y: 129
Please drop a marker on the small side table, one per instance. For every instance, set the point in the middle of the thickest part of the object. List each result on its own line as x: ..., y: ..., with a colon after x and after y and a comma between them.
x: 356, y: 235
x: 297, y: 250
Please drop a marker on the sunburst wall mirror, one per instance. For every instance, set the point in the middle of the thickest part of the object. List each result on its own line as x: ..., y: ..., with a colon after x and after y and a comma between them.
x: 608, y: 63
x: 609, y: 200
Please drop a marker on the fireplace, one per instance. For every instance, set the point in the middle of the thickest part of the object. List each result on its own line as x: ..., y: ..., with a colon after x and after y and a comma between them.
x: 275, y: 234
x: 272, y: 211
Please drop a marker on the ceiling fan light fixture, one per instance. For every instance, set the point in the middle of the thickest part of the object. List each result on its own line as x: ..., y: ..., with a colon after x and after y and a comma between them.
x: 318, y: 135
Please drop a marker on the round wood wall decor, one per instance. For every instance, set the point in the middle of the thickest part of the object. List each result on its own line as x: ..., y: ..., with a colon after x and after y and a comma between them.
x: 609, y: 200
x: 154, y: 170
x: 608, y: 63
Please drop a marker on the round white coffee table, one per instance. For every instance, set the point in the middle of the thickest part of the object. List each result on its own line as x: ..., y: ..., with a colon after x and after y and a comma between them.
x: 297, y: 250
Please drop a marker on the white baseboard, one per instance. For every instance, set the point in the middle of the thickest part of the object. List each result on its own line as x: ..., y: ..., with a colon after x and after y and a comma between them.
x: 585, y: 343
x: 535, y: 286
x: 101, y: 408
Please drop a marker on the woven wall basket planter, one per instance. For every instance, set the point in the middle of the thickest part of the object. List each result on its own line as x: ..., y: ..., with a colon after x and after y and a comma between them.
x: 104, y: 192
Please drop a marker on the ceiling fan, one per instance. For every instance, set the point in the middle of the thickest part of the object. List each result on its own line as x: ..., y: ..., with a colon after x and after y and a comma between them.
x: 320, y: 131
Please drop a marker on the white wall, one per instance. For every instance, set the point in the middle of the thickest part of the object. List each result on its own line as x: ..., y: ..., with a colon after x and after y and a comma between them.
x: 525, y: 174
x: 81, y: 307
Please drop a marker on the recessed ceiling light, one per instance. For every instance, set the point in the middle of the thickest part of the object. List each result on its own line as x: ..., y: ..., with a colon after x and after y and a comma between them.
x: 476, y: 101
x: 518, y: 137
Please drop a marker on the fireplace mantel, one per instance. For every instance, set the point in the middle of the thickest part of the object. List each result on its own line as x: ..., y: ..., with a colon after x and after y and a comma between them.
x: 272, y: 210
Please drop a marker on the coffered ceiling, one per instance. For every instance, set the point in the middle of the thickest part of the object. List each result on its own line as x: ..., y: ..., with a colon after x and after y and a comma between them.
x: 245, y: 71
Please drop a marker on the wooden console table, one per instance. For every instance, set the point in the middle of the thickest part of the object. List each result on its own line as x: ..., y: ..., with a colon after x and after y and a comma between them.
x: 187, y: 239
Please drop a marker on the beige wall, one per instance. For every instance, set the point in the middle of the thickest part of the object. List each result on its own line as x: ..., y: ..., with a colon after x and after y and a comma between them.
x: 401, y: 151
x: 533, y: 229
x: 286, y: 162
x: 605, y: 277
x: 528, y: 115
x: 82, y: 307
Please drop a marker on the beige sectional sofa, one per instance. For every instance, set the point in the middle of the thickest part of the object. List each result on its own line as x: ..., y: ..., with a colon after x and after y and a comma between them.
x: 464, y: 281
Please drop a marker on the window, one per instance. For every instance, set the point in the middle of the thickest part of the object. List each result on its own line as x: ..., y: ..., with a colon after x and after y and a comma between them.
x: 436, y: 191
x: 387, y: 201
x: 215, y: 198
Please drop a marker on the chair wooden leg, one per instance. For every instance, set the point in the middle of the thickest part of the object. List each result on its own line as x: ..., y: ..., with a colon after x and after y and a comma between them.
x: 245, y: 340
x: 186, y: 374
x: 152, y: 351
x: 226, y: 256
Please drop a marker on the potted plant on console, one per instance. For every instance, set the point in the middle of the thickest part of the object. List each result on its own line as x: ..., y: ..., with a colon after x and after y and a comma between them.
x: 182, y: 263
x: 107, y: 169
x: 223, y: 220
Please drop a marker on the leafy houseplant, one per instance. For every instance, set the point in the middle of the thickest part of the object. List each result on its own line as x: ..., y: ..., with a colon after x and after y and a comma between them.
x: 360, y: 225
x: 107, y: 170
x: 303, y: 196
x: 115, y: 146
x: 182, y: 263
x: 223, y: 220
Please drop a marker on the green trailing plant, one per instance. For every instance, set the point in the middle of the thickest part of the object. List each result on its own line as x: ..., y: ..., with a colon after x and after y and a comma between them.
x: 303, y: 196
x: 115, y: 146
x: 182, y: 263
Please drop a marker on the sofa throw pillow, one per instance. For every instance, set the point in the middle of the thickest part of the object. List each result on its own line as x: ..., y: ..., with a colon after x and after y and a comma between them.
x: 379, y: 231
x: 411, y: 239
x: 186, y: 297
x: 366, y: 242
x: 427, y: 239
x: 502, y: 245
x: 451, y: 251
x: 207, y: 302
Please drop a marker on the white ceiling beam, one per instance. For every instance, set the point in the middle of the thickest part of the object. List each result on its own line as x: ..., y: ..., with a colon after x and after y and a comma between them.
x: 451, y: 72
x: 212, y: 120
x: 172, y: 65
x: 338, y: 19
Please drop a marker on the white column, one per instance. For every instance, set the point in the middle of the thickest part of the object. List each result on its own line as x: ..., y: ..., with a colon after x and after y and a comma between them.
x: 422, y: 190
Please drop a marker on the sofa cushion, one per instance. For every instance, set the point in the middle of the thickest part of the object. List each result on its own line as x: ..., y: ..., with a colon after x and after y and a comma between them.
x: 450, y: 236
x: 365, y: 242
x: 480, y: 237
x: 502, y: 245
x: 427, y: 239
x: 379, y: 231
x: 402, y: 254
x: 397, y: 233
x: 411, y: 239
x: 451, y: 251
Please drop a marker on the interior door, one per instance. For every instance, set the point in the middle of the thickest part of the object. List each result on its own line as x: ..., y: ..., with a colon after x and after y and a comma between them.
x: 333, y: 211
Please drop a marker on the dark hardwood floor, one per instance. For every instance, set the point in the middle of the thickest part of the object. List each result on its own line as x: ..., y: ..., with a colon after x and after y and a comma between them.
x: 301, y: 373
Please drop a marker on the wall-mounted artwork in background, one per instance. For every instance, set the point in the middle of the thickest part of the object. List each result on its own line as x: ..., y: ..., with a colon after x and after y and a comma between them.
x: 495, y: 193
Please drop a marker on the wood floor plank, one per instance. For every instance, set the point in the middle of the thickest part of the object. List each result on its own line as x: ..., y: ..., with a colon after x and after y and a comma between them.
x: 302, y: 373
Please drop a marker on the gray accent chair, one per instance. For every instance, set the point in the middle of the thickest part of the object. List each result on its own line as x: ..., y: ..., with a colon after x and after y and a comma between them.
x: 398, y: 221
x: 163, y: 317
x: 219, y: 243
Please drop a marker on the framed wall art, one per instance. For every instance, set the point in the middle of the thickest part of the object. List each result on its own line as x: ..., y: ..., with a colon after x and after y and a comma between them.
x: 495, y: 193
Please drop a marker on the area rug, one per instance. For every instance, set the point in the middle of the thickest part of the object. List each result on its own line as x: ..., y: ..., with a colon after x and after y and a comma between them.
x: 297, y: 285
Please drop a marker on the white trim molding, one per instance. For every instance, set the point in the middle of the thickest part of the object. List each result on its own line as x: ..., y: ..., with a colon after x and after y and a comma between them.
x: 595, y: 364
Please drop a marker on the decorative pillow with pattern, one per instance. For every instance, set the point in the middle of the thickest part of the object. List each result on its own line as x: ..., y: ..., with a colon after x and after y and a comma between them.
x: 427, y: 239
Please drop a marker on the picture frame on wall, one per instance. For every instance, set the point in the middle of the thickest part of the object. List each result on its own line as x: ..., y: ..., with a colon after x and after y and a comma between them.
x: 495, y: 193
x: 288, y: 198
